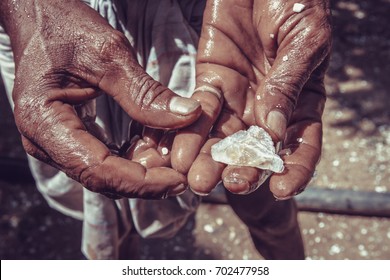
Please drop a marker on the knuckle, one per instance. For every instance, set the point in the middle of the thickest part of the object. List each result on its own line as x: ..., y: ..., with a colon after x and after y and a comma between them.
x: 286, y: 85
x: 113, y: 44
x: 91, y: 179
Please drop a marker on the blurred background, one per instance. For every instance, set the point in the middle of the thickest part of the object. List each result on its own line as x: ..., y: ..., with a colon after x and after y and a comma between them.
x: 345, y: 213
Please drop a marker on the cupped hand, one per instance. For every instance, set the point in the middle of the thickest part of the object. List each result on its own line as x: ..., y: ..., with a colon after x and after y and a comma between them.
x: 66, y: 54
x: 259, y: 62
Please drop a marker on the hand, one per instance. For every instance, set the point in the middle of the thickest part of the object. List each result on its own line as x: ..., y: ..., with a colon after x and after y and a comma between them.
x: 66, y: 55
x: 259, y: 62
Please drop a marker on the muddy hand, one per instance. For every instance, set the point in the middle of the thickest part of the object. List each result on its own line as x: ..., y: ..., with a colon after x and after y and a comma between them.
x: 66, y: 54
x: 259, y: 62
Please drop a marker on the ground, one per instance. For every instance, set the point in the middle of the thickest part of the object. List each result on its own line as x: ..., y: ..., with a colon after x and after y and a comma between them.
x: 356, y: 156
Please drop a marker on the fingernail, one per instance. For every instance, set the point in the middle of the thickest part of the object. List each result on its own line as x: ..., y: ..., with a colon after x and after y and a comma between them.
x: 277, y: 122
x: 199, y: 193
x: 178, y: 190
x: 183, y: 106
x: 242, y: 186
x: 283, y: 198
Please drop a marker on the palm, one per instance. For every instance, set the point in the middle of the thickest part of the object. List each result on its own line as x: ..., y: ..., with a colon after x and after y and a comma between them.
x: 263, y: 57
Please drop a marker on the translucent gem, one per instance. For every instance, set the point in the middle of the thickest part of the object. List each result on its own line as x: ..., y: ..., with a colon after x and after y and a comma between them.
x: 253, y: 147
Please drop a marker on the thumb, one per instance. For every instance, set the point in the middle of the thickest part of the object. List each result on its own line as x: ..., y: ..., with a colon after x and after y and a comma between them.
x: 143, y: 98
x: 292, y: 70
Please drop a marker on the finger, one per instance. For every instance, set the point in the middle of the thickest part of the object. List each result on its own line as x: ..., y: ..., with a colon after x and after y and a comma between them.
x: 205, y: 173
x: 69, y: 147
x: 157, y: 156
x: 278, y: 93
x: 240, y: 179
x: 214, y: 82
x: 150, y: 139
x: 302, y: 147
x: 188, y: 141
x: 144, y: 99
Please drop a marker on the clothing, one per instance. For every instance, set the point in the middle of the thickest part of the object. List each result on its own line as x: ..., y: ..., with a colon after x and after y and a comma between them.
x: 164, y: 34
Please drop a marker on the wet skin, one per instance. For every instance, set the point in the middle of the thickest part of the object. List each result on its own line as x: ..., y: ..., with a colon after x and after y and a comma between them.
x: 238, y: 60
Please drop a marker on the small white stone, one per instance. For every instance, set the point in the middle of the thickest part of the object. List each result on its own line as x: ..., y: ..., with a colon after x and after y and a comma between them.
x: 298, y: 7
x: 285, y: 58
x: 253, y: 147
x: 164, y: 151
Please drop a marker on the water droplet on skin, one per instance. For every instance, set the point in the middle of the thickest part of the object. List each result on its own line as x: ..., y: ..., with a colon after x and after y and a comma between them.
x: 208, y: 228
x: 232, y: 235
x: 339, y: 235
x: 164, y: 151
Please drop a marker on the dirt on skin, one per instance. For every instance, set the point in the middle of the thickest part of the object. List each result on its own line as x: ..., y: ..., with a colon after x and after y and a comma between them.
x: 356, y: 156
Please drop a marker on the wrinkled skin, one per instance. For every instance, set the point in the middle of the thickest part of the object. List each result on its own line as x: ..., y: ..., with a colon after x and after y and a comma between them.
x: 256, y: 73
x: 66, y: 54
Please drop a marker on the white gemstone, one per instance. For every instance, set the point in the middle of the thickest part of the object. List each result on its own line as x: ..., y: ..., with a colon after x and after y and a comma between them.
x: 298, y: 7
x: 253, y: 147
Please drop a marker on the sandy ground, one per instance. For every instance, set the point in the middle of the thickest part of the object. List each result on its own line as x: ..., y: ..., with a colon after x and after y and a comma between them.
x: 356, y: 156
